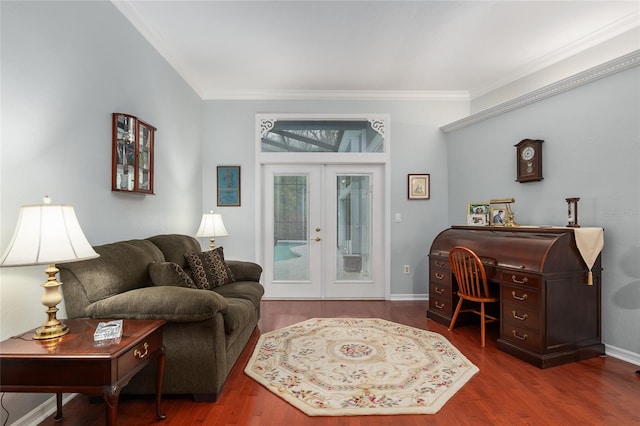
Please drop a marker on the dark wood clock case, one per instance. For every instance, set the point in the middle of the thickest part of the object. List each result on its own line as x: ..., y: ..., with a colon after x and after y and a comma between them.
x: 529, y: 160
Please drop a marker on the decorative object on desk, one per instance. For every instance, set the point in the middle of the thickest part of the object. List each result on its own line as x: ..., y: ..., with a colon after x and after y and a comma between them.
x: 509, y: 219
x: 478, y: 213
x: 228, y: 178
x: 572, y: 212
x: 419, y: 187
x: 211, y: 226
x: 590, y: 242
x: 132, y: 154
x: 529, y: 160
x: 359, y: 366
x: 48, y: 234
x: 497, y: 216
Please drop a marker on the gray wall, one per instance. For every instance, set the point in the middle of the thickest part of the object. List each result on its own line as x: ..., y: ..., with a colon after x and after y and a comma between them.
x: 416, y: 144
x: 591, y: 151
x: 66, y: 66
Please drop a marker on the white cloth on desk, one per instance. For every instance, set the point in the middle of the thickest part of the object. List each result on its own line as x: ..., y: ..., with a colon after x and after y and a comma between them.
x: 590, y: 242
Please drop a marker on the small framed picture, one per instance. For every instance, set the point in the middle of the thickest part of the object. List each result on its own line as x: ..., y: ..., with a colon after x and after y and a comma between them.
x: 419, y: 187
x: 228, y: 178
x: 478, y: 214
x: 497, y: 216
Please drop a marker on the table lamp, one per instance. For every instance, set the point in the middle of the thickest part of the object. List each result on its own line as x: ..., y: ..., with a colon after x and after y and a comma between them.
x: 211, y: 226
x: 48, y: 234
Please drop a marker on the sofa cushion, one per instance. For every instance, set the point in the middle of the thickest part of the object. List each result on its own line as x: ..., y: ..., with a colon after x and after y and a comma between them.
x: 244, y: 271
x: 169, y: 273
x: 176, y: 304
x: 248, y: 290
x: 209, y: 268
x: 175, y: 246
x: 121, y: 267
x: 238, y: 314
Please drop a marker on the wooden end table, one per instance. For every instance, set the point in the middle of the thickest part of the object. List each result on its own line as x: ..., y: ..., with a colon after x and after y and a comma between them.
x: 74, y: 363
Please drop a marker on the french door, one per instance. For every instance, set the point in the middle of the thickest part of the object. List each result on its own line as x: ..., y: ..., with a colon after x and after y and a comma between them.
x: 323, y: 231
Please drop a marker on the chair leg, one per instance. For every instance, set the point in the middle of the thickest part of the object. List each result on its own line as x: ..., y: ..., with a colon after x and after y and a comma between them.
x: 455, y: 314
x: 482, y: 323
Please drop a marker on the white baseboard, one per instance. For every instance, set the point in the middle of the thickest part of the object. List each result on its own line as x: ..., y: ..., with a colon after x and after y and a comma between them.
x: 622, y: 354
x: 405, y: 297
x: 42, y: 411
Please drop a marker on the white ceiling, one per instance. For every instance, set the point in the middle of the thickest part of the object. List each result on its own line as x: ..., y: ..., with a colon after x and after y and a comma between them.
x: 236, y: 49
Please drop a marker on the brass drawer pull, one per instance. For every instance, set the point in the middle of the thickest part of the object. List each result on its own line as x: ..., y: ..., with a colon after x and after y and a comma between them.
x: 523, y: 281
x: 439, y: 264
x: 519, y: 317
x: 139, y: 354
x: 439, y: 275
x: 439, y: 305
x: 517, y: 336
x: 438, y: 290
x: 523, y: 297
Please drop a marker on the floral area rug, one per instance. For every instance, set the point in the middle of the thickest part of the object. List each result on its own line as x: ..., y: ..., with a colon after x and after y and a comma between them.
x: 348, y: 366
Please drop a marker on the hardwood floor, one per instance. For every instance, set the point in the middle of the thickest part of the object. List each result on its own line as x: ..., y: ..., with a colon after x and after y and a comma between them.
x: 506, y: 391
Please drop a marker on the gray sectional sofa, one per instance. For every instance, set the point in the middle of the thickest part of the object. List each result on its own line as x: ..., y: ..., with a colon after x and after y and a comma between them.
x: 206, y: 329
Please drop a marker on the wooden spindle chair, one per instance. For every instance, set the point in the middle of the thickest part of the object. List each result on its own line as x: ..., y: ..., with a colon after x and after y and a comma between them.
x: 471, y: 276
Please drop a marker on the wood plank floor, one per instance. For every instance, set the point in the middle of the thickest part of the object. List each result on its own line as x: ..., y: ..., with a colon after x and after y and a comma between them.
x: 506, y: 391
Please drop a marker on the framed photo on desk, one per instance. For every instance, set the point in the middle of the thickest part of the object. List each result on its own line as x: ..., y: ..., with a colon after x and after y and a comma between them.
x: 478, y: 213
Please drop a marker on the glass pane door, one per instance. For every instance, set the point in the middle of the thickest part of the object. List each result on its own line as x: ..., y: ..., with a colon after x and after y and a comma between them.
x: 353, y: 215
x: 290, y: 227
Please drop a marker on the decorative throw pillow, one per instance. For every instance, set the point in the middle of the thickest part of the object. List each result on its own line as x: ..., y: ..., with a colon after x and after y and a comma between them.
x: 209, y: 268
x: 169, y: 273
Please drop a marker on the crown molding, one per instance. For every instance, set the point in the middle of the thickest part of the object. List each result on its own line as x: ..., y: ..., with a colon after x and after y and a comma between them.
x: 606, y: 69
x: 395, y: 95
x: 612, y: 30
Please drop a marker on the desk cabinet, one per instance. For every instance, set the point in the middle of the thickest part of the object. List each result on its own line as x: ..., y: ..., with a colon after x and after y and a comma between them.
x: 548, y: 314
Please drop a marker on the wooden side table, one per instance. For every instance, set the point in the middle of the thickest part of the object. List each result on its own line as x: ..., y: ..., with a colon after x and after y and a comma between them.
x: 75, y: 363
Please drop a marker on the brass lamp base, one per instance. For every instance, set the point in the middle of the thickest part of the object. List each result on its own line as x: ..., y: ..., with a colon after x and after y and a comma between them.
x: 50, y: 331
x: 51, y: 328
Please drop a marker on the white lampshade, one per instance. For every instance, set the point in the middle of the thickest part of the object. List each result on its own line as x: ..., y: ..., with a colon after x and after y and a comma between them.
x: 212, y: 226
x: 47, y: 234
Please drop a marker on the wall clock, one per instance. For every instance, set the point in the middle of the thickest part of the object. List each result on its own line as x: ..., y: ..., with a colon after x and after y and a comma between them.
x: 529, y: 160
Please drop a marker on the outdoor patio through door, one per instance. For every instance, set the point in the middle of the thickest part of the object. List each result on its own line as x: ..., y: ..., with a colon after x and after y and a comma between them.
x: 323, y: 231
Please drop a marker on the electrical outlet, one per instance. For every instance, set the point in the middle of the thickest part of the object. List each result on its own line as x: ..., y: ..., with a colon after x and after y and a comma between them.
x: 406, y: 269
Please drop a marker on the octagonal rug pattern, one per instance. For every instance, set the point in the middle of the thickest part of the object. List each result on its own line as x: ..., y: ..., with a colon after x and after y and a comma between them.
x: 353, y: 366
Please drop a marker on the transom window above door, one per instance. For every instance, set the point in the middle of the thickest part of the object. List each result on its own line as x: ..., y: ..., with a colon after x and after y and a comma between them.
x: 352, y: 135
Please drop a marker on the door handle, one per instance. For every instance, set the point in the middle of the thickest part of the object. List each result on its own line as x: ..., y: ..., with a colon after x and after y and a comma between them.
x: 317, y: 238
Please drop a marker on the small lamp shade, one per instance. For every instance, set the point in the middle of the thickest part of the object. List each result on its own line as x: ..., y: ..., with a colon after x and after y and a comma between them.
x: 48, y: 234
x: 212, y: 226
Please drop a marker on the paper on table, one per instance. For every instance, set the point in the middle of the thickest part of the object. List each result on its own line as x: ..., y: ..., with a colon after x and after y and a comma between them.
x: 590, y: 242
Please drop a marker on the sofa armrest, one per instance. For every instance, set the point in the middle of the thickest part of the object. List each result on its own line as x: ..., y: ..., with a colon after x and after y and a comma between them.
x: 173, y: 304
x: 245, y: 271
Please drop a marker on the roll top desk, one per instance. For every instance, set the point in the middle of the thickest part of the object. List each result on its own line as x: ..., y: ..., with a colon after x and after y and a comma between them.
x: 549, y: 315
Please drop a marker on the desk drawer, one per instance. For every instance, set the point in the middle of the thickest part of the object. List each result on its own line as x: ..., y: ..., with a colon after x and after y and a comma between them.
x: 519, y: 278
x: 520, y: 297
x: 439, y: 262
x: 138, y: 356
x: 516, y: 317
x: 520, y: 336
x: 440, y: 277
x: 441, y: 305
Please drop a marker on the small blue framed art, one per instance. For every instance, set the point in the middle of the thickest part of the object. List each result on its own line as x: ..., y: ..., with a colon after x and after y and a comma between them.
x: 228, y: 178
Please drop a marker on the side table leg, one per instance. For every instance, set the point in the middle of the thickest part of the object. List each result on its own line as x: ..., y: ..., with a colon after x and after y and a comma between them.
x: 111, y: 394
x: 58, y: 415
x: 159, y: 380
